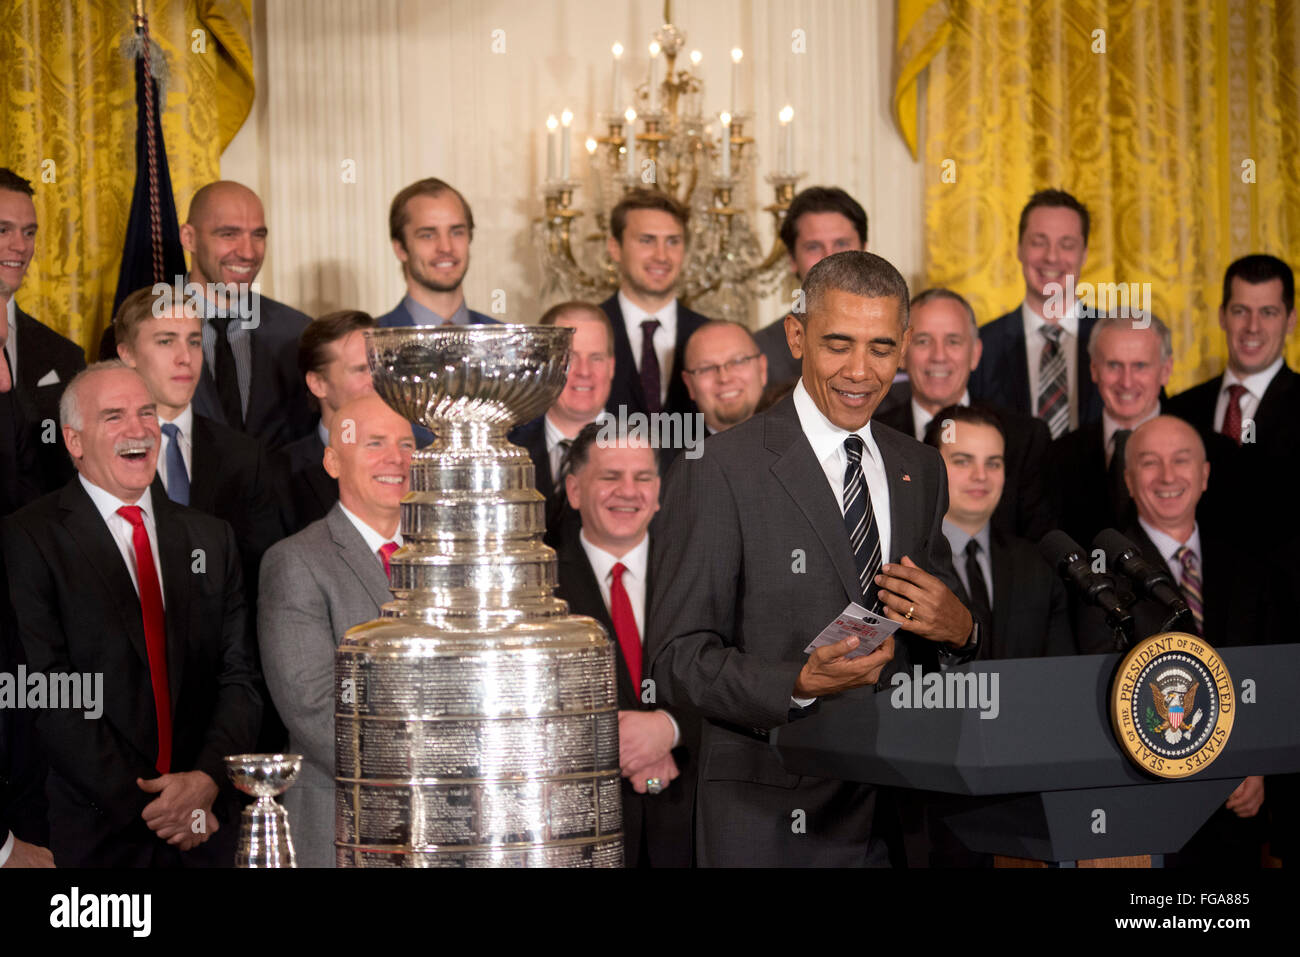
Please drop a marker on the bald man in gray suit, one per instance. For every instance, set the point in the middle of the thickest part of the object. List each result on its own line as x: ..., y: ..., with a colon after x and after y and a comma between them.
x: 319, y: 583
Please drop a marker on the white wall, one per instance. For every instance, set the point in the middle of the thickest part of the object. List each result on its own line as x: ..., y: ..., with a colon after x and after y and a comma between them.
x: 411, y: 88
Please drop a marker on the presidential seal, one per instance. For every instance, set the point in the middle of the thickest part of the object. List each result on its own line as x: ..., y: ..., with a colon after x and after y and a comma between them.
x: 1172, y: 704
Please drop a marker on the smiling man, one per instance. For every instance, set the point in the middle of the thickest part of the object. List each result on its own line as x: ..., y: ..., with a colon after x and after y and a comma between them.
x: 604, y: 572
x: 1033, y: 360
x: 108, y: 577
x: 821, y: 221
x: 33, y: 378
x: 1256, y: 401
x: 647, y: 240
x: 248, y: 379
x: 1167, y: 473
x: 431, y: 228
x: 725, y: 373
x: 1130, y: 365
x: 944, y: 349
x: 319, y: 583
x: 766, y: 538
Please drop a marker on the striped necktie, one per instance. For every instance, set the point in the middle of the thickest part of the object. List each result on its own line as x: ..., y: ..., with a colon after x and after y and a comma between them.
x: 1190, y: 581
x: 860, y: 521
x: 1053, y: 382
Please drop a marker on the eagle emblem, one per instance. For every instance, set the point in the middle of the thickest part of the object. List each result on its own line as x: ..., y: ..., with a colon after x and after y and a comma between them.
x: 1175, y: 714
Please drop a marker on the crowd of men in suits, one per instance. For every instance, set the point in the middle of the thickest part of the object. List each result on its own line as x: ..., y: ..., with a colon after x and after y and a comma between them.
x: 200, y: 517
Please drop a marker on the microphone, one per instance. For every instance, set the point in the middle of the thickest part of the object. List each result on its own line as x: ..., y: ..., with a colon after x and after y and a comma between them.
x: 1151, y: 580
x: 1071, y: 562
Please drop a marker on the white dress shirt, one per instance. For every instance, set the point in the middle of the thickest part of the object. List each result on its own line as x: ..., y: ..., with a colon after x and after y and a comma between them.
x: 1109, y: 427
x: 8, y: 847
x: 958, y: 539
x: 637, y: 566
x: 921, y: 418
x: 11, y: 346
x: 554, y: 451
x: 1256, y: 385
x: 827, y: 440
x: 665, y: 337
x: 185, y: 423
x: 1168, y: 546
x: 107, y: 504
x: 373, y: 539
x: 1034, y: 342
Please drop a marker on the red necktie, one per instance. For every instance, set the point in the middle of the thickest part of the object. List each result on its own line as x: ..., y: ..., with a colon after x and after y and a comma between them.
x: 1232, y: 415
x: 385, y: 550
x: 155, y: 631
x: 629, y: 639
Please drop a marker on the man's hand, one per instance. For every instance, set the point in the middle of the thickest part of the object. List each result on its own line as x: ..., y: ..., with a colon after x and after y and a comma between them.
x: 937, y: 614
x: 1246, y: 799
x: 171, y: 814
x: 665, y: 769
x: 827, y: 671
x: 29, y: 855
x: 644, y: 737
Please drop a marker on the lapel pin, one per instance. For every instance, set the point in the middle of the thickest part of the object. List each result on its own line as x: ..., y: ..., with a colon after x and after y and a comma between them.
x: 906, y: 477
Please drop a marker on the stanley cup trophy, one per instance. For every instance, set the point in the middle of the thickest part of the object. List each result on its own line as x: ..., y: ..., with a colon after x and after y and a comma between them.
x: 476, y: 720
x: 264, y: 838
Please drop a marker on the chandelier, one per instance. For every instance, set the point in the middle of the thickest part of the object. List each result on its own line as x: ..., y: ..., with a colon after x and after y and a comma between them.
x: 662, y: 140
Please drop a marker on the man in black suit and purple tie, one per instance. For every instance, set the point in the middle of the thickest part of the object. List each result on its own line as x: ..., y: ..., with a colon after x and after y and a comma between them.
x: 648, y: 242
x: 765, y: 539
x: 1034, y: 359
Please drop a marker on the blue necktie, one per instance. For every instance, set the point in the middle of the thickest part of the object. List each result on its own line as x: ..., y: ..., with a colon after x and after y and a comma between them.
x: 178, y: 480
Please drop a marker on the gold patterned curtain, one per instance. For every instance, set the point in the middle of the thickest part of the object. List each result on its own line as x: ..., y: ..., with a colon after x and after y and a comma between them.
x: 1176, y: 122
x: 68, y: 123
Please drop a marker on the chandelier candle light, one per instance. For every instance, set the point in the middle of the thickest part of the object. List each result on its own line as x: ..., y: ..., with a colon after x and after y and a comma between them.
x: 658, y: 139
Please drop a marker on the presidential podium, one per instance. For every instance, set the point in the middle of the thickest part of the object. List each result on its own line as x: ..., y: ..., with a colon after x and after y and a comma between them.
x: 1044, y: 778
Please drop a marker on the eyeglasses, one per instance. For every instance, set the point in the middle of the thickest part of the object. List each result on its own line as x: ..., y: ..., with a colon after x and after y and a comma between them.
x: 733, y: 365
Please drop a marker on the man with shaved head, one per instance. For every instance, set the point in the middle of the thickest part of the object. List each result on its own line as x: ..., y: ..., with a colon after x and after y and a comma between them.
x: 1167, y: 473
x: 249, y: 379
x: 319, y: 583
x: 110, y: 579
x: 725, y: 372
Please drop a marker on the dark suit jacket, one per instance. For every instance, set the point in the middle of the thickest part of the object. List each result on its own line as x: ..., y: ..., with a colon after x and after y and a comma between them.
x: 308, y: 492
x: 656, y: 827
x: 1025, y: 508
x: 1262, y: 471
x: 1031, y: 612
x: 279, y: 409
x: 232, y: 479
x: 756, y: 560
x: 401, y: 316
x: 42, y: 351
x: 1002, y: 377
x: 781, y: 365
x: 22, y: 761
x: 626, y: 389
x: 78, y: 613
x: 1232, y: 599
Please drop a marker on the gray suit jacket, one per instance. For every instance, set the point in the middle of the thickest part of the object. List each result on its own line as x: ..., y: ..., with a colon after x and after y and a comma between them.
x: 314, y: 586
x: 755, y: 561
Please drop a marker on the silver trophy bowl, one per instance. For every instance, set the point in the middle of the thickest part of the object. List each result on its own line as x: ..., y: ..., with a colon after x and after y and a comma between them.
x: 476, y: 720
x: 264, y: 838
